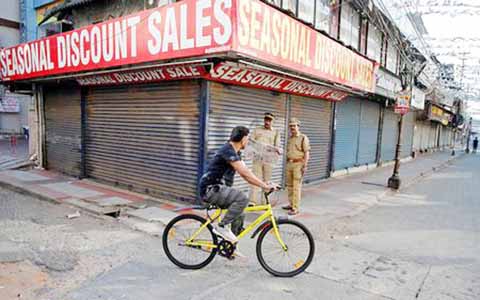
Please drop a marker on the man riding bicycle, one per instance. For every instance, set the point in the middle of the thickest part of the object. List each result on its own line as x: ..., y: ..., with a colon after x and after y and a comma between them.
x: 216, y: 183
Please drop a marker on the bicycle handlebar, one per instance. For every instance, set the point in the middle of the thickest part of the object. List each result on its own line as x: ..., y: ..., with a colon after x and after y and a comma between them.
x: 272, y: 190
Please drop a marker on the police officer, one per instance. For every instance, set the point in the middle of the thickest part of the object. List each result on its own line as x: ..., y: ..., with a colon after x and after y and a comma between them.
x: 298, y: 154
x: 265, y: 134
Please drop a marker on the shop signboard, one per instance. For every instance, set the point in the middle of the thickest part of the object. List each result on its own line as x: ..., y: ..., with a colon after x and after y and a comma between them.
x: 190, y: 28
x: 228, y: 73
x: 144, y: 75
x: 402, y: 103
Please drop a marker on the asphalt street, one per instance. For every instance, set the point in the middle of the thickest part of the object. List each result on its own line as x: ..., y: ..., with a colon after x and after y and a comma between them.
x: 420, y: 243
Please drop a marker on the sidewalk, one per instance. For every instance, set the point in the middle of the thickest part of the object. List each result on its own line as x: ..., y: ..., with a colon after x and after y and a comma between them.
x: 322, y: 203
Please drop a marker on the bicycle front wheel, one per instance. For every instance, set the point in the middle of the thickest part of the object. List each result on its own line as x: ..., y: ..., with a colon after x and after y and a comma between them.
x: 290, y: 261
x: 196, y: 254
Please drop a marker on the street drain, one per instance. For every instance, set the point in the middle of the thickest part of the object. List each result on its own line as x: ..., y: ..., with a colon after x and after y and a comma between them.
x: 113, y: 214
x: 373, y: 183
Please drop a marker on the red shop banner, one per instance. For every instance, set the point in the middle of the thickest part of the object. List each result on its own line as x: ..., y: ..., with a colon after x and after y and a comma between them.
x: 183, y: 29
x: 269, y: 35
x: 228, y: 73
x: 192, y: 28
x: 144, y: 75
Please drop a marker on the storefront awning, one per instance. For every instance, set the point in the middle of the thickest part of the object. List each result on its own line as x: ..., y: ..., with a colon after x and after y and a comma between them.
x: 246, y: 28
x: 225, y: 72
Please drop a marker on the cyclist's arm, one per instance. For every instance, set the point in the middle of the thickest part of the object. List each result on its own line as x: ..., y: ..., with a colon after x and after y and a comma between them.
x: 243, y: 171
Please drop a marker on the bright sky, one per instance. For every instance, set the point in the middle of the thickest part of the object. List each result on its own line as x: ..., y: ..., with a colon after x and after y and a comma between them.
x: 453, y: 33
x: 468, y: 27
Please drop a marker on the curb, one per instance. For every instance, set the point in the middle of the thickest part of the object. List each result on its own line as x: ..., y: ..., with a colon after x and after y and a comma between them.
x: 39, y: 196
x: 433, y: 170
x: 27, y: 192
x: 389, y: 191
x: 139, y: 226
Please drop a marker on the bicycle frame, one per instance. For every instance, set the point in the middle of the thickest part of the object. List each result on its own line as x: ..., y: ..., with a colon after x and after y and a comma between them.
x: 268, y: 214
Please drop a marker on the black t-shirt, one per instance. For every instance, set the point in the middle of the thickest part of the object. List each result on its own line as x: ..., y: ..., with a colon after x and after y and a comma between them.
x: 219, y: 170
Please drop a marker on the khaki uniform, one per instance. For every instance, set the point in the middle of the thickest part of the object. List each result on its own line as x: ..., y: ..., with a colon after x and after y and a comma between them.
x: 263, y: 170
x: 296, y: 148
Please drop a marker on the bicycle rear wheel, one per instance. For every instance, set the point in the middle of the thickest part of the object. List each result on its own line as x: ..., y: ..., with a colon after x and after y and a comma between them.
x: 292, y: 261
x: 175, y: 236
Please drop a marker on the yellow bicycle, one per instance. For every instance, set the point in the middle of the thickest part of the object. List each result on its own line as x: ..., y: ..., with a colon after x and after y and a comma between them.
x: 285, y: 247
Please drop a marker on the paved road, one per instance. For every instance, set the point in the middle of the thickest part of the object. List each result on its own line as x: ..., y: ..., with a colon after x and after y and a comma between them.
x: 418, y: 244
x: 434, y: 226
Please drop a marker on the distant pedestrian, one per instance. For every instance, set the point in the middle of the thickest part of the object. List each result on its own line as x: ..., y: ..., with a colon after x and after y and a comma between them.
x: 475, y: 145
x: 13, y: 143
x: 26, y: 132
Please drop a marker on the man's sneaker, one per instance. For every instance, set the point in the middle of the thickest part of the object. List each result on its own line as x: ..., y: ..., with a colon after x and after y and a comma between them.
x: 238, y: 254
x: 225, y: 233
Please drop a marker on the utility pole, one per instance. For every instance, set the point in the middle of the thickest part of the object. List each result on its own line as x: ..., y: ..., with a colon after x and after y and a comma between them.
x: 406, y: 77
x: 469, y: 129
x: 462, y: 71
x: 394, y: 181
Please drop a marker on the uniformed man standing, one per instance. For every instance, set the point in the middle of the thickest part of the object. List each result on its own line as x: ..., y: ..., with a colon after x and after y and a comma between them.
x: 298, y: 154
x: 265, y: 134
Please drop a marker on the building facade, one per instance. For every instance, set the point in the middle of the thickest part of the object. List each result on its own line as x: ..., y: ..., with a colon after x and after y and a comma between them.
x: 14, y: 107
x: 141, y: 96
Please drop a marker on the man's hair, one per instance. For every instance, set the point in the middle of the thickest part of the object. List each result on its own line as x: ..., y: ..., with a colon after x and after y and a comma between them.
x: 238, y: 133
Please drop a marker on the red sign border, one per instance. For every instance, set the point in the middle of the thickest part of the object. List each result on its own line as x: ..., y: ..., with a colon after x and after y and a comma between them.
x: 333, y: 90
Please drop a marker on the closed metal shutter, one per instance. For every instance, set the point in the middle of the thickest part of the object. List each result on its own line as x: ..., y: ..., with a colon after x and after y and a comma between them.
x: 443, y: 136
x: 446, y: 137
x: 368, y: 139
x: 449, y: 136
x: 407, y: 134
x: 347, y: 133
x: 430, y: 137
x: 433, y: 137
x: 425, y: 136
x: 417, y: 137
x: 145, y: 137
x: 389, y: 135
x: 316, y: 123
x: 232, y: 106
x: 63, y: 129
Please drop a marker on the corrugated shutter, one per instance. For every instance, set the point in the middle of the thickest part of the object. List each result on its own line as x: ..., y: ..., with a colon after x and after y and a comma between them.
x: 368, y: 140
x: 232, y: 106
x: 430, y: 136
x: 389, y: 135
x: 315, y: 117
x: 63, y: 129
x: 447, y: 136
x: 407, y: 134
x: 425, y: 136
x: 417, y: 137
x: 444, y: 138
x: 145, y: 137
x: 346, y: 133
x: 421, y: 136
x: 433, y: 137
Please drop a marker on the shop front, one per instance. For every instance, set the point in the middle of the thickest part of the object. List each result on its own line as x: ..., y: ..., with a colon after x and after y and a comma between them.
x: 356, y: 133
x: 126, y: 116
x: 443, y: 118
